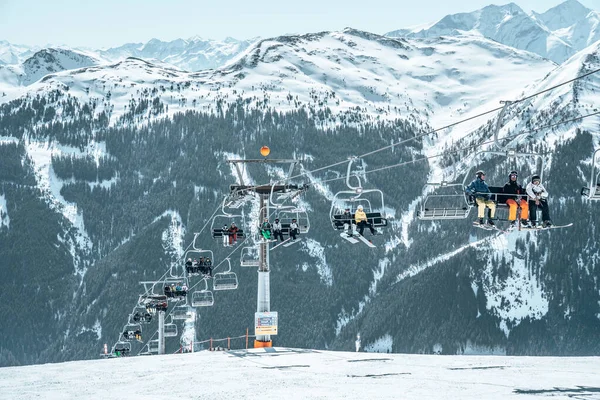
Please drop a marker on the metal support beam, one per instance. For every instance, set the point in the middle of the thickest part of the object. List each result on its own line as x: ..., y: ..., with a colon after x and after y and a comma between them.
x: 161, y: 332
x: 263, y: 298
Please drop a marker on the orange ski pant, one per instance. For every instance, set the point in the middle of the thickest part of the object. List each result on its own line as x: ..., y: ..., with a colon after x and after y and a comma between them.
x: 512, y: 209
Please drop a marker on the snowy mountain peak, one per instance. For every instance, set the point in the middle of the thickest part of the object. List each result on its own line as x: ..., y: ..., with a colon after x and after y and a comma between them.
x: 44, y: 62
x: 557, y: 34
x: 564, y: 15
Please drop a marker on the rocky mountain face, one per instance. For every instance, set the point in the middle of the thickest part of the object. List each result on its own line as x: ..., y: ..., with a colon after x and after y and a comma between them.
x: 108, y: 170
x: 556, y: 34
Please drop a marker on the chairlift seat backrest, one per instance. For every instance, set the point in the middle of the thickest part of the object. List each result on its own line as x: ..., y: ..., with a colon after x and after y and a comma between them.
x: 217, y: 233
x: 180, y: 312
x: 202, y: 298
x: 170, y: 330
x: 225, y: 281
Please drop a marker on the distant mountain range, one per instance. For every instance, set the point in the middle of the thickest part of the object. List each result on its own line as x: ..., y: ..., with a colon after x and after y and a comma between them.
x: 556, y: 34
x: 193, y: 54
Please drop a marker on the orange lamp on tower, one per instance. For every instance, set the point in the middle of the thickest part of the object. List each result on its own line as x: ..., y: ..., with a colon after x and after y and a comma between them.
x: 265, y: 151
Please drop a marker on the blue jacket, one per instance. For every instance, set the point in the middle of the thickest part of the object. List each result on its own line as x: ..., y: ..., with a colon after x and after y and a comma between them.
x: 478, y: 187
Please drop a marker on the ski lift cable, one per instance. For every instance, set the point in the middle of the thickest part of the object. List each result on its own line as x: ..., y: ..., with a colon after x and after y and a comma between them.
x: 469, y: 147
x: 438, y: 129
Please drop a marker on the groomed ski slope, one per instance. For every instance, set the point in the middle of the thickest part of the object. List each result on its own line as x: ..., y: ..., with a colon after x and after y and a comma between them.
x: 282, y: 373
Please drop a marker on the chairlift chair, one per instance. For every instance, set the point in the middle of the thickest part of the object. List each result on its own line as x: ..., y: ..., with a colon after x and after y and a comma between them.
x: 286, y: 214
x: 357, y: 195
x: 123, y: 347
x: 225, y: 219
x: 203, y: 298
x: 180, y: 312
x: 249, y: 257
x: 140, y: 316
x: 179, y: 284
x: 497, y: 192
x: 197, y: 254
x: 132, y: 332
x: 226, y: 280
x: 592, y: 192
x: 170, y: 329
x: 153, y: 346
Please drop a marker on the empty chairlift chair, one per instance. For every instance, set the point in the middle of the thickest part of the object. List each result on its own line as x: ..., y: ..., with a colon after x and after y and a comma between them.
x: 249, y: 257
x: 445, y: 201
x: 153, y: 346
x: 180, y: 312
x: 170, y: 329
x: 592, y: 191
x: 226, y: 280
x: 203, y: 298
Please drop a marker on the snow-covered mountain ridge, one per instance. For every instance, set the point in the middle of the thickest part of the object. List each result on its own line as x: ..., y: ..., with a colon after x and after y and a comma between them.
x: 44, y: 62
x: 440, y: 79
x: 193, y: 54
x: 556, y: 34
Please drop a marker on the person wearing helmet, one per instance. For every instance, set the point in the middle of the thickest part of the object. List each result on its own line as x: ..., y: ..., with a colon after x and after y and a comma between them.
x: 232, y: 233
x: 277, y: 230
x: 294, y: 229
x: 189, y: 266
x: 538, y: 198
x: 265, y: 229
x: 360, y: 217
x: 481, y: 191
x: 512, y: 196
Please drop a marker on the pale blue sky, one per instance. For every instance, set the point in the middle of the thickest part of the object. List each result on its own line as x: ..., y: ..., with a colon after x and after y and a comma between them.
x: 109, y: 23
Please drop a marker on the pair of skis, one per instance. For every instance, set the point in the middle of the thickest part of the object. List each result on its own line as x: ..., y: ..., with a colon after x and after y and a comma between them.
x: 286, y: 243
x: 488, y: 227
x: 355, y: 237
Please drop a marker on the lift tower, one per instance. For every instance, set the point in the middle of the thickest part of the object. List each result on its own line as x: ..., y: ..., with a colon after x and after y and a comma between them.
x: 282, y: 188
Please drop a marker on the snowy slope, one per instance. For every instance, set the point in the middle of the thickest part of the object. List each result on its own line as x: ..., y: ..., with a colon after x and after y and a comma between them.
x: 439, y: 79
x: 193, y: 54
x: 304, y: 374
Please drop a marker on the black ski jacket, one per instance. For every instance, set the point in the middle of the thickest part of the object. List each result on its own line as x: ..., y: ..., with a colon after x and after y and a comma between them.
x: 512, y: 188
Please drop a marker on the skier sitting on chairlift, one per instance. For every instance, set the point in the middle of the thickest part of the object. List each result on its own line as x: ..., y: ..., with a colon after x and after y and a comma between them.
x: 232, y: 233
x: 512, y: 187
x: 265, y: 229
x: 207, y: 267
x: 361, y: 221
x: 538, y: 197
x: 277, y: 230
x: 189, y: 266
x: 294, y: 229
x: 481, y: 191
x: 225, y: 233
x: 347, y: 219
